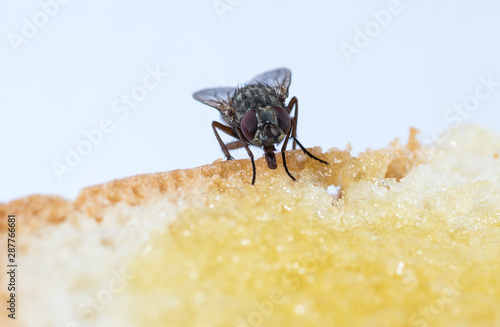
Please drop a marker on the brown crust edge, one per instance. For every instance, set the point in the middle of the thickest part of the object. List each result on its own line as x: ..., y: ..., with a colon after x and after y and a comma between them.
x: 40, y: 210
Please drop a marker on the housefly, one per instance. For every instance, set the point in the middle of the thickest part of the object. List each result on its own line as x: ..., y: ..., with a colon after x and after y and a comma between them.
x: 256, y: 114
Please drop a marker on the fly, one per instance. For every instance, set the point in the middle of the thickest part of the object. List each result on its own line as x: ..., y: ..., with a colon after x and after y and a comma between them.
x: 256, y: 114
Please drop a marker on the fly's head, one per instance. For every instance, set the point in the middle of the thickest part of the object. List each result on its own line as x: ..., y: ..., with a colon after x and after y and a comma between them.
x: 266, y: 126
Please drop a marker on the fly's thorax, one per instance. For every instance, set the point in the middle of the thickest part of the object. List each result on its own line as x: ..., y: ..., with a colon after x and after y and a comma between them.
x: 254, y: 96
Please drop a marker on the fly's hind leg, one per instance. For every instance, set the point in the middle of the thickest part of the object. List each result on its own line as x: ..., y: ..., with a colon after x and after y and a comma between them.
x: 310, y: 154
x: 294, y: 102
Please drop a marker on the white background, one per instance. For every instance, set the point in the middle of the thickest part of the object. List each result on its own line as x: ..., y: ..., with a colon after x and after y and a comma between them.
x: 64, y: 76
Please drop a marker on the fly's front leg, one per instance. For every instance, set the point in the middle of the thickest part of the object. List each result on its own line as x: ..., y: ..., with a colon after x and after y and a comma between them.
x: 250, y: 154
x: 226, y: 129
x: 233, y: 145
x: 283, y: 148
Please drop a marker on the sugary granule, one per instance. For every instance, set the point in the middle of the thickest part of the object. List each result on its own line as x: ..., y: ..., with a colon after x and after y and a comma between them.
x: 421, y: 249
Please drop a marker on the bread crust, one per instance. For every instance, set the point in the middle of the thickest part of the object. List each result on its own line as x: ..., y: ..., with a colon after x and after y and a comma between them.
x: 173, y: 186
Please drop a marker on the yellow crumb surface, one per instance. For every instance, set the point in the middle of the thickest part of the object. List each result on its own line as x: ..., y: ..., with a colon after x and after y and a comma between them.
x: 417, y: 244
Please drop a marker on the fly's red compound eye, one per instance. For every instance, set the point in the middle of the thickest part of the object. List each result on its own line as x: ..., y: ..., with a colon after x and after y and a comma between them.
x: 249, y: 125
x: 283, y: 119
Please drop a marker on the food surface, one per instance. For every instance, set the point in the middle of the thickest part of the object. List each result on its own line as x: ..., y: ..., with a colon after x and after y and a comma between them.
x: 403, y: 236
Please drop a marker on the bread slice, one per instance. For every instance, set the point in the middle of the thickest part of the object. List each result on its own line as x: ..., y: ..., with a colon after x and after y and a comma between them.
x: 407, y: 235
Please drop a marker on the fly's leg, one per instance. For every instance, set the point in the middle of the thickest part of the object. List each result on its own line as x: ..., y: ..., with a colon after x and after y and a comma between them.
x: 310, y: 154
x: 233, y: 145
x: 283, y: 148
x: 229, y: 131
x: 250, y: 154
x: 294, y: 102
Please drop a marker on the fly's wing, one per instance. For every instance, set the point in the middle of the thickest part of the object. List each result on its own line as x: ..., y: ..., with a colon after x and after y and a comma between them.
x: 219, y: 98
x: 279, y: 79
